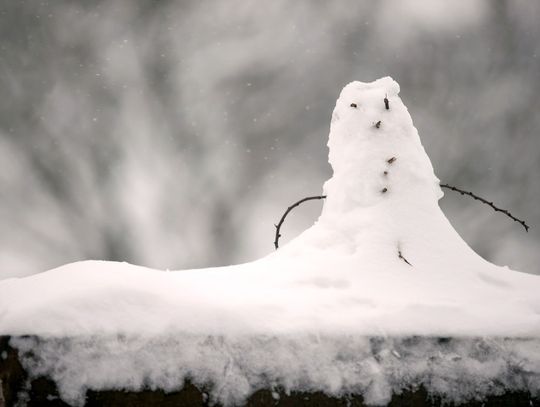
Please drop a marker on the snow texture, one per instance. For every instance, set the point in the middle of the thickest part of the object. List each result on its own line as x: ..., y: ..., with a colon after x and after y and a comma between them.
x: 355, y: 304
x: 230, y: 369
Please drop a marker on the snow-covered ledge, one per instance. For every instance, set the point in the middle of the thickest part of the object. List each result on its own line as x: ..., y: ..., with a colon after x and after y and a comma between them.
x: 378, y: 297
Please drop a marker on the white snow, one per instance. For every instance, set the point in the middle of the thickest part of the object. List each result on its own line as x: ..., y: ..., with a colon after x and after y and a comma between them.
x: 332, y: 310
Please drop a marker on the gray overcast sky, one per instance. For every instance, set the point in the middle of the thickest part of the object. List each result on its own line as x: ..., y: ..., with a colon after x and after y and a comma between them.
x: 173, y: 134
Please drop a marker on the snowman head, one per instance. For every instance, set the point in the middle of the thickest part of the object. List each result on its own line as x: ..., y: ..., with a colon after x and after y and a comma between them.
x: 375, y: 150
x: 360, y: 107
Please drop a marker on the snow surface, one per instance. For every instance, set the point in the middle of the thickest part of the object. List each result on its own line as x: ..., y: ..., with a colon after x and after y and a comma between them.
x: 334, y: 310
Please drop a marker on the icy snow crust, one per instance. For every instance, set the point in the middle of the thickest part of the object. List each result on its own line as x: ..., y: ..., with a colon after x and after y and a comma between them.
x: 333, y: 310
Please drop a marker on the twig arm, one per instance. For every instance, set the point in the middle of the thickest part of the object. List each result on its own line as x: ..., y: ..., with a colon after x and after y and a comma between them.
x: 290, y: 208
x: 496, y: 209
x: 453, y: 188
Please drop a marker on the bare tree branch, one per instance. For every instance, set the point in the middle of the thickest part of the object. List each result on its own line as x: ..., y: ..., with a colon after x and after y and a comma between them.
x: 506, y: 212
x: 290, y: 208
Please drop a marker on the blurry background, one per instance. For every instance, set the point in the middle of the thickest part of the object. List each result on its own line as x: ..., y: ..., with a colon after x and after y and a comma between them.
x: 174, y: 134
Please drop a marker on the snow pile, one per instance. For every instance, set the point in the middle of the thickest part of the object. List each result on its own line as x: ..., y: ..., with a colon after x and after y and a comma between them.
x: 381, y: 262
x: 230, y: 369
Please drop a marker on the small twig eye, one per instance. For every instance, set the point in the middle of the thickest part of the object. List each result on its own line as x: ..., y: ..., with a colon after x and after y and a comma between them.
x: 354, y: 105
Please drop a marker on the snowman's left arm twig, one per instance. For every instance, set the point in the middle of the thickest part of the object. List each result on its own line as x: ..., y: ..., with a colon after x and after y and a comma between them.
x: 496, y: 209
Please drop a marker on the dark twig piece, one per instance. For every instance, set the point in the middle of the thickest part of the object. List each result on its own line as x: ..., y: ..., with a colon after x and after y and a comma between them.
x: 354, y: 105
x: 384, y: 190
x: 386, y: 103
x: 290, y: 208
x: 506, y: 212
x: 403, y: 258
x: 378, y: 124
x: 391, y: 160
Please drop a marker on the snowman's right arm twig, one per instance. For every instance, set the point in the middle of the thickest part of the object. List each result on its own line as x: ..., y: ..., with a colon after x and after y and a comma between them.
x: 506, y: 212
x: 290, y: 208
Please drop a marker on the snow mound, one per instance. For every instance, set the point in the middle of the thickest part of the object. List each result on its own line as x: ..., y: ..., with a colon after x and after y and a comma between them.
x: 382, y: 261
